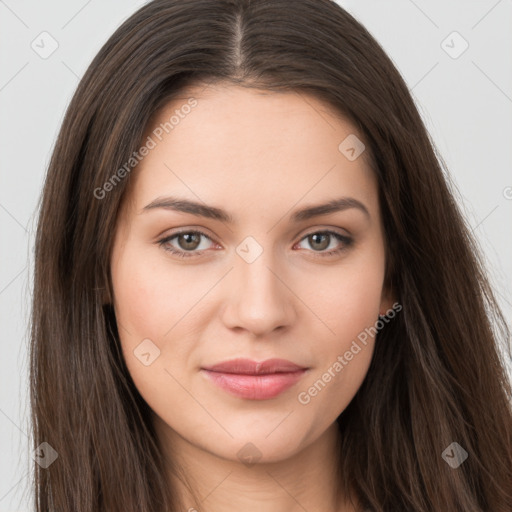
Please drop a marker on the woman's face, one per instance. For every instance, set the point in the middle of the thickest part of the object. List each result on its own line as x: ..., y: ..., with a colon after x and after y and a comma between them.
x: 260, y: 271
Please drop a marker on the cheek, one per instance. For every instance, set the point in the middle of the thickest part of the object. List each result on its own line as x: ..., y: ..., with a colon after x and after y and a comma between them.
x: 137, y: 300
x: 150, y: 305
x: 347, y: 297
x: 160, y: 301
x: 347, y: 301
x: 149, y: 298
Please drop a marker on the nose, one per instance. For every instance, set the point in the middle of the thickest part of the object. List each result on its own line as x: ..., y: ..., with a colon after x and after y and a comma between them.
x: 259, y: 299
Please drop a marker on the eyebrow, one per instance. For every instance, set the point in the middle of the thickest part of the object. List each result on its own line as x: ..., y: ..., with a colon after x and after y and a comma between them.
x: 211, y: 212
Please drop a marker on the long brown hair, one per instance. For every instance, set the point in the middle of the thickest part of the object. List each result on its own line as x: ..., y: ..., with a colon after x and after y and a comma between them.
x: 437, y: 375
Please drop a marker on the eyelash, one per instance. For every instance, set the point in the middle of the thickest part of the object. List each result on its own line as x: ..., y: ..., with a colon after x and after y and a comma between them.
x: 347, y: 241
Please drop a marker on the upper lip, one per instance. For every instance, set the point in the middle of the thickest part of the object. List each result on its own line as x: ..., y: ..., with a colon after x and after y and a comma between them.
x: 250, y: 367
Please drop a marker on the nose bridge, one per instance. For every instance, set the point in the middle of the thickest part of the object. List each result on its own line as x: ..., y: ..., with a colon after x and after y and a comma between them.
x: 259, y: 301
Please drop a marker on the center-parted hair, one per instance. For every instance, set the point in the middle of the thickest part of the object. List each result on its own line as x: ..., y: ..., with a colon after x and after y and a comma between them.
x: 437, y: 374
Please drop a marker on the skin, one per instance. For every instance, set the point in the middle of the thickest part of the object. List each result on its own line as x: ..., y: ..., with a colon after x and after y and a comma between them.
x: 261, y: 156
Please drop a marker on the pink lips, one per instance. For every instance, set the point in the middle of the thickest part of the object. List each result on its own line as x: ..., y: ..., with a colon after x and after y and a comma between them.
x: 255, y: 380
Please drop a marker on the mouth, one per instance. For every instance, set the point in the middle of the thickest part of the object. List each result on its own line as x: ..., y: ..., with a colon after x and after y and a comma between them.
x: 253, y: 380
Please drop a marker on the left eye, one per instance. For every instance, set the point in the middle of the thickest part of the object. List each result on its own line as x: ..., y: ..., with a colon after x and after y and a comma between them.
x: 322, y: 240
x: 189, y: 243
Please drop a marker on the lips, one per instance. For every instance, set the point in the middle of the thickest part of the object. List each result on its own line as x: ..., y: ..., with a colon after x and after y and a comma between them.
x: 249, y: 367
x: 255, y: 380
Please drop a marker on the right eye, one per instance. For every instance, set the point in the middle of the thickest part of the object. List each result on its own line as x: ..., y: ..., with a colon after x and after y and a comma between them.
x: 189, y: 241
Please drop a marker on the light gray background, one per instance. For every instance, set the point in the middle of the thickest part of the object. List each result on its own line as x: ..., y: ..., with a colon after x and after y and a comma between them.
x: 466, y: 103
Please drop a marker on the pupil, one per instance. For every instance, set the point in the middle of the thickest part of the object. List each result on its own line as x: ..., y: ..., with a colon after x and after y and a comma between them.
x: 316, y: 236
x: 191, y: 240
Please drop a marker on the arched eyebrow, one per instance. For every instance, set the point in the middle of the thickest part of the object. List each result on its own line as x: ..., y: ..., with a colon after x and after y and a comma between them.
x: 212, y: 212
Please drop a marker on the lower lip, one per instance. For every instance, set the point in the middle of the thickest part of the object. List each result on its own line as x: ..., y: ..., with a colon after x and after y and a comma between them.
x: 255, y: 387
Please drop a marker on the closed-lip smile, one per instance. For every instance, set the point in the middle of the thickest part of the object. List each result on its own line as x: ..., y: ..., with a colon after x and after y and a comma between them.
x: 255, y: 380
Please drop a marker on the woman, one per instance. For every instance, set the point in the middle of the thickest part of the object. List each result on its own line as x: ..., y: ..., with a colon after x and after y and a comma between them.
x: 253, y: 288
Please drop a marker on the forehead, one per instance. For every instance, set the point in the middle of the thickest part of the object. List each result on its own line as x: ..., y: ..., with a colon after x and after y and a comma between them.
x: 260, y: 146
